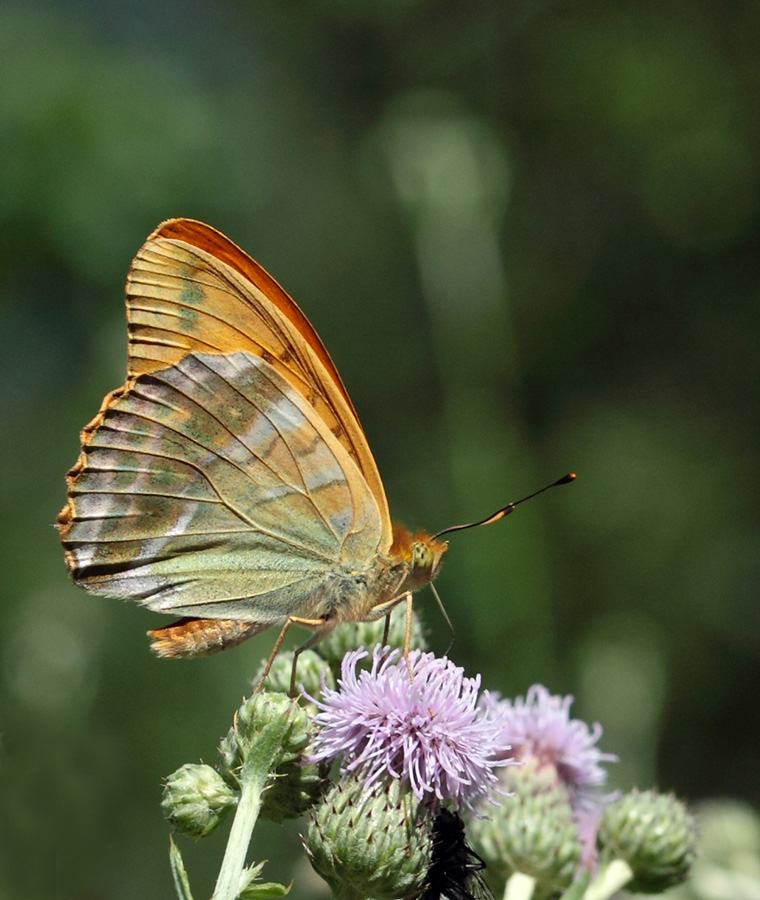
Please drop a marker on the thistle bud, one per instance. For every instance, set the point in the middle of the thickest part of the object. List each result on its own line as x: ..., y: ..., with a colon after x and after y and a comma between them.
x: 654, y: 834
x: 294, y: 789
x: 196, y: 799
x: 370, y: 841
x: 532, y: 831
x: 262, y: 719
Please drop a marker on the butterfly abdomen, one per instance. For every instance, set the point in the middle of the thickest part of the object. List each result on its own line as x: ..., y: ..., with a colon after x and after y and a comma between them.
x: 201, y: 637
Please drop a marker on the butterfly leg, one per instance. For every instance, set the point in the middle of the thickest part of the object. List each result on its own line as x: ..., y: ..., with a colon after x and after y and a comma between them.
x: 408, y: 633
x: 385, y: 609
x: 387, y: 629
x: 292, y: 620
x: 314, y: 639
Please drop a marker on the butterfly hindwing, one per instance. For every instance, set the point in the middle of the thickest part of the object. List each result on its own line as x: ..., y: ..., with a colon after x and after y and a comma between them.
x: 209, y: 488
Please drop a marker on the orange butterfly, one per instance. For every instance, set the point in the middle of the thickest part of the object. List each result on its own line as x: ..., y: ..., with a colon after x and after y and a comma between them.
x: 229, y: 480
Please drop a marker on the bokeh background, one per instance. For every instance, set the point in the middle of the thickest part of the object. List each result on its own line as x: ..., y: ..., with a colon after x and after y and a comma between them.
x: 529, y: 234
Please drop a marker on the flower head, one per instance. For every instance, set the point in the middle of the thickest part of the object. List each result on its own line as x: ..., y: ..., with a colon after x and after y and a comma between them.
x: 435, y: 732
x: 540, y: 728
x: 531, y: 831
x: 196, y: 799
x: 655, y: 835
x: 370, y: 841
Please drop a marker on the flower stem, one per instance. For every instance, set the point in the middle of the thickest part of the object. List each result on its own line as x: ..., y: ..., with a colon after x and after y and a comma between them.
x: 348, y: 892
x: 519, y: 887
x: 229, y: 882
x: 612, y: 877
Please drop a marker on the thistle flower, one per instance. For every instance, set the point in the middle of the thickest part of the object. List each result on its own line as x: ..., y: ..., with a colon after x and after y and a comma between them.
x: 540, y: 728
x: 546, y: 825
x: 532, y: 831
x: 435, y: 733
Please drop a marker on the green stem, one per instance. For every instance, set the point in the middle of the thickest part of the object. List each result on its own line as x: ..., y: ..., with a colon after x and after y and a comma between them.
x: 229, y: 882
x: 611, y: 878
x: 348, y: 892
x: 519, y: 886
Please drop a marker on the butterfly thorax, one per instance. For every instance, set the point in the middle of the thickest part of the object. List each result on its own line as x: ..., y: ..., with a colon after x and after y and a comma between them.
x: 354, y: 595
x: 350, y: 595
x: 422, y: 554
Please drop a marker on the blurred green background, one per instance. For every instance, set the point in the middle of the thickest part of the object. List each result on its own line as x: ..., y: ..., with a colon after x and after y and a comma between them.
x: 529, y: 235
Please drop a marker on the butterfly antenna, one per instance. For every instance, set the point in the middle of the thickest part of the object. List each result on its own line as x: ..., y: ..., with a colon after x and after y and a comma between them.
x: 445, y: 616
x: 505, y: 511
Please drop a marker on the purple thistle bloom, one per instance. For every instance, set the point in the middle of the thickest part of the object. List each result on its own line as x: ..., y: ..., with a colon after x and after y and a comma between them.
x: 436, y: 733
x: 540, y: 727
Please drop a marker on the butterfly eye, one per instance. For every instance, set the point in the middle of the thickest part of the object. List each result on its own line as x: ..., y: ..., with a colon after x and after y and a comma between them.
x: 422, y: 556
x: 427, y: 554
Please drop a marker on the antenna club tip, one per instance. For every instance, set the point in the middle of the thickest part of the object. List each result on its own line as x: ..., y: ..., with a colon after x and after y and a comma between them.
x: 566, y: 479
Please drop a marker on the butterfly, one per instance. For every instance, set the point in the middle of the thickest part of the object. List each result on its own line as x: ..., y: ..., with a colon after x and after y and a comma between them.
x: 229, y: 481
x: 455, y: 871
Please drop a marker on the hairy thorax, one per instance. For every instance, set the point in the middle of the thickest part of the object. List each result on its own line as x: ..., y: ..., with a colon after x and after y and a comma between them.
x: 349, y: 595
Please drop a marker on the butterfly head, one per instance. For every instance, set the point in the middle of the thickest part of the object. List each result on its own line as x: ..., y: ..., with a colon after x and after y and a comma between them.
x: 427, y: 556
x: 421, y: 552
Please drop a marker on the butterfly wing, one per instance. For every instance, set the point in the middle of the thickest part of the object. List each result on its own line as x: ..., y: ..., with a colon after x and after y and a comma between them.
x: 211, y: 488
x: 191, y: 289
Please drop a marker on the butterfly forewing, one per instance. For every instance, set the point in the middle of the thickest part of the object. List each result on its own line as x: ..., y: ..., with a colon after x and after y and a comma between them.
x: 190, y: 289
x: 209, y: 483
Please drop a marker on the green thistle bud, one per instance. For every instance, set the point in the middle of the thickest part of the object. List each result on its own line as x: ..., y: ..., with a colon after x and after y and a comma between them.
x: 654, y: 834
x: 196, y: 799
x: 251, y: 733
x: 367, y: 634
x: 532, y: 832
x: 291, y: 788
x: 370, y: 841
x: 311, y: 667
x: 293, y: 791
